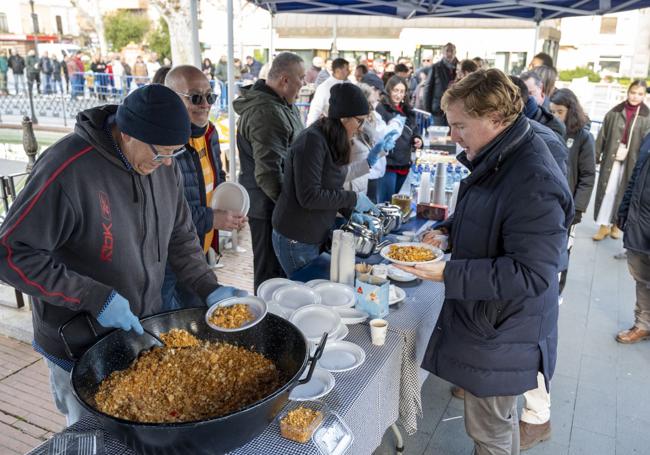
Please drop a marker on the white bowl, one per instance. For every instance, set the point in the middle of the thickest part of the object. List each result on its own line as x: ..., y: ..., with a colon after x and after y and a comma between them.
x: 231, y: 196
x: 256, y: 305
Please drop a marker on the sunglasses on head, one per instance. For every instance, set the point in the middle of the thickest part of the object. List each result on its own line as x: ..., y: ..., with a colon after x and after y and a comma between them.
x: 197, y: 99
x: 161, y: 156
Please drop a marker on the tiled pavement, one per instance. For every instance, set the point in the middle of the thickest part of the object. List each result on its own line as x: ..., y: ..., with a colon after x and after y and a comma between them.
x: 600, y: 400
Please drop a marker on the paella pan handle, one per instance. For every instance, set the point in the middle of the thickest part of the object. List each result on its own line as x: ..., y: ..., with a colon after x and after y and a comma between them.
x: 62, y: 329
x: 313, y: 359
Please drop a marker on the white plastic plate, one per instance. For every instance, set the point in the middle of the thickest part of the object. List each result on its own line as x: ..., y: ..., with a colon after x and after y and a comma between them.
x: 314, y: 320
x: 339, y: 356
x: 267, y: 288
x: 351, y: 315
x: 231, y: 196
x: 294, y: 296
x: 336, y: 295
x: 400, y: 294
x: 320, y: 384
x: 256, y: 305
x: 437, y: 251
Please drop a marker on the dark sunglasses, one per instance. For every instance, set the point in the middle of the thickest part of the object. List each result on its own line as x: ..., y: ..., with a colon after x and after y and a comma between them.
x: 197, y: 99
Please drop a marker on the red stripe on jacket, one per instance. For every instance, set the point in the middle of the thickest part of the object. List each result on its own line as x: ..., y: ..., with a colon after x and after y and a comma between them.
x: 31, y: 205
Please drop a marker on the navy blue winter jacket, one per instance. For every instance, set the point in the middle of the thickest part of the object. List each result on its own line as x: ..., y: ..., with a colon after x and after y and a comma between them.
x: 498, y: 325
x: 193, y: 184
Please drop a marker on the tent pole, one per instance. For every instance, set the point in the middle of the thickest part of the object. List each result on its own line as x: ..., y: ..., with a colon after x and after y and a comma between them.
x: 536, y: 38
x: 194, y: 19
x: 271, y: 43
x: 232, y: 143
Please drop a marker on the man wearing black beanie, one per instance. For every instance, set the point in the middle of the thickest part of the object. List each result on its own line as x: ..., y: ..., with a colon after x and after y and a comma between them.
x: 90, y: 233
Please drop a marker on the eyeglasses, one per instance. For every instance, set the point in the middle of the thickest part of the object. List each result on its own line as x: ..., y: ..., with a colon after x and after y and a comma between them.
x: 360, y: 121
x: 160, y: 156
x: 197, y: 98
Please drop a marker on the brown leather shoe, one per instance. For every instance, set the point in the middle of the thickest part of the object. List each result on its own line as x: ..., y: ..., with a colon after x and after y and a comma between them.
x: 616, y: 233
x: 458, y: 392
x: 530, y: 434
x: 633, y: 335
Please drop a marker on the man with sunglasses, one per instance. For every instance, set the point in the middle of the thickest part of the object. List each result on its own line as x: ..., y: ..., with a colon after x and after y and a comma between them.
x: 102, y: 213
x: 202, y: 171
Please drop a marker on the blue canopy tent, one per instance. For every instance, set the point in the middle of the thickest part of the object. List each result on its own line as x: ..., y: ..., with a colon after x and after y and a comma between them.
x: 534, y: 10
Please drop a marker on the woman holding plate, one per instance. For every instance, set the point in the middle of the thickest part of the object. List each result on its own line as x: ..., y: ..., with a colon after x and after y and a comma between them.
x: 314, y: 173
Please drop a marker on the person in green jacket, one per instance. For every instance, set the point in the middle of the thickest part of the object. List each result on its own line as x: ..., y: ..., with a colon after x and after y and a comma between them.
x: 4, y: 67
x: 268, y: 124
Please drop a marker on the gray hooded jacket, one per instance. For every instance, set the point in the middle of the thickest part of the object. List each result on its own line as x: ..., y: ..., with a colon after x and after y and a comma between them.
x: 85, y: 225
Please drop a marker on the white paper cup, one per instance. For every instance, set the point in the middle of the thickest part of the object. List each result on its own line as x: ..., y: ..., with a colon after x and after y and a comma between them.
x: 378, y: 330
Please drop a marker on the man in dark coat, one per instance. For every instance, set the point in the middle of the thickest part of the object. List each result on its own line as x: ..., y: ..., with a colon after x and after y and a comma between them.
x: 634, y: 221
x: 268, y: 124
x: 441, y: 75
x: 202, y: 172
x: 498, y: 325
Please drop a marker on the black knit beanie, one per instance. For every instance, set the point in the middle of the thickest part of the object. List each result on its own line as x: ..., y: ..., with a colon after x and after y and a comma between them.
x: 154, y: 114
x: 347, y: 100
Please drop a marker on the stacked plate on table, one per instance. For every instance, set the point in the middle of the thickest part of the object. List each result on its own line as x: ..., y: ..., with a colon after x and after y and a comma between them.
x: 231, y: 196
x: 314, y: 320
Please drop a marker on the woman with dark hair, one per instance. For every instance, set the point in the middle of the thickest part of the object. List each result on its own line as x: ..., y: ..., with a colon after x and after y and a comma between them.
x: 314, y: 173
x: 581, y: 165
x: 208, y: 68
x: 617, y: 150
x: 395, y: 104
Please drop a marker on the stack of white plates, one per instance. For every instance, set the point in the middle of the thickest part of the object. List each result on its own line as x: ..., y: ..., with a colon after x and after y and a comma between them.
x: 231, y: 196
x: 294, y: 296
x: 339, y: 356
x: 314, y: 320
x: 336, y: 295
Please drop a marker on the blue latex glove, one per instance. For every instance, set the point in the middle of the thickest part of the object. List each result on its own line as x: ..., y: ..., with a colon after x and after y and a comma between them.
x: 117, y: 313
x: 365, y: 205
x: 390, y: 139
x: 373, y: 155
x: 224, y: 292
x: 362, y: 218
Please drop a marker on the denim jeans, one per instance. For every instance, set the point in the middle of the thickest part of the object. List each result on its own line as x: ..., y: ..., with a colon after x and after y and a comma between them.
x: 175, y: 296
x: 64, y: 399
x: 293, y: 255
x: 391, y: 183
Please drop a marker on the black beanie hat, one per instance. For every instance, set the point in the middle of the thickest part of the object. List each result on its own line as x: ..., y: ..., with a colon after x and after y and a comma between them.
x: 347, y: 100
x: 154, y: 114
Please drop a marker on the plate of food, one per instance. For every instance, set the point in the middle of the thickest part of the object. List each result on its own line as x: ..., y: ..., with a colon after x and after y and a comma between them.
x: 236, y: 313
x: 411, y: 253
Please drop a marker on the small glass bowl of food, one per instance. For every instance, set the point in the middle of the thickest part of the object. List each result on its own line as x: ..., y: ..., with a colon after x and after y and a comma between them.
x: 236, y: 313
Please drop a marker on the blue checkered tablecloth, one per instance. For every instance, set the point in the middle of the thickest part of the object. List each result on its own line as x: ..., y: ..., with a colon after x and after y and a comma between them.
x: 366, y: 398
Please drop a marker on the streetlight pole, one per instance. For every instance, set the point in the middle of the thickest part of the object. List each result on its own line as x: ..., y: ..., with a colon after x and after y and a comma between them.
x: 29, y: 91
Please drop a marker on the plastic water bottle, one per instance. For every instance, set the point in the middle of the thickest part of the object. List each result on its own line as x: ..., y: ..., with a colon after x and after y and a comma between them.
x: 449, y: 182
x: 458, y: 176
x: 465, y: 172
